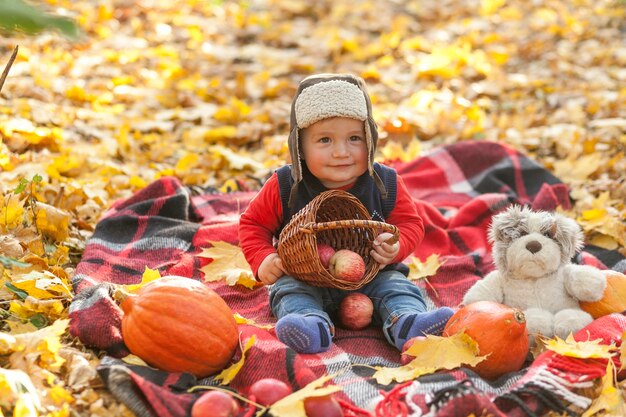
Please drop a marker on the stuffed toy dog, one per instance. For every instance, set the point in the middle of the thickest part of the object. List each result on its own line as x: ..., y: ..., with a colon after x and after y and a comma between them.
x: 532, y: 252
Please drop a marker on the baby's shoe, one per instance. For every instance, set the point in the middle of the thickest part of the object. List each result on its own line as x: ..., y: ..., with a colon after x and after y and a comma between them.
x: 420, y: 324
x: 304, y: 334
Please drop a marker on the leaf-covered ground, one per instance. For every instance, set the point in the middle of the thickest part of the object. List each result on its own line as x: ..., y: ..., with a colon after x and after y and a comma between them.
x: 201, y: 90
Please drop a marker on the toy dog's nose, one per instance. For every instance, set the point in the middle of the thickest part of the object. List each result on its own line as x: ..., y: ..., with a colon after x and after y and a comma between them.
x: 533, y: 246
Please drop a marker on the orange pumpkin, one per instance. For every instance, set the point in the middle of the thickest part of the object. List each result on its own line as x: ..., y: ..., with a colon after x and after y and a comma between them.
x: 498, y: 330
x: 178, y: 324
x: 614, y: 298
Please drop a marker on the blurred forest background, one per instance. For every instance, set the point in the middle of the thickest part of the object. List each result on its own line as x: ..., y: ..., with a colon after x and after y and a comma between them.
x: 106, y: 96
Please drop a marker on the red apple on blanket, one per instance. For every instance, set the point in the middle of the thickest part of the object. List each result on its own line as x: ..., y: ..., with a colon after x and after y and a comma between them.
x: 347, y: 265
x: 355, y: 311
x: 325, y: 406
x: 215, y: 404
x: 267, y: 391
x: 325, y: 252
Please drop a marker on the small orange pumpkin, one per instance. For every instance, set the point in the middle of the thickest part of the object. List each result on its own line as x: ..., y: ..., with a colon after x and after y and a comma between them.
x: 498, y: 330
x: 614, y: 298
x: 178, y: 324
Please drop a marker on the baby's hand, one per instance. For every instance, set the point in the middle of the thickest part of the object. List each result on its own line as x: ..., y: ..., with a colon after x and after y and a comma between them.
x: 270, y: 269
x: 384, y: 253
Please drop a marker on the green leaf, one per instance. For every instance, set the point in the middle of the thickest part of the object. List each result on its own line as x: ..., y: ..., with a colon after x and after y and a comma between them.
x: 39, y: 321
x: 8, y: 262
x: 19, y: 16
x: 22, y: 185
x: 20, y: 293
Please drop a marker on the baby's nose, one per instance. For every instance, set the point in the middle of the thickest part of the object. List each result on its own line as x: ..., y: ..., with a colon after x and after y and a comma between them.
x: 533, y: 246
x: 340, y: 149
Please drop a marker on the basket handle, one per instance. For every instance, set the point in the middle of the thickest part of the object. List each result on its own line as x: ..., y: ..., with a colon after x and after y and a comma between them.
x: 340, y: 224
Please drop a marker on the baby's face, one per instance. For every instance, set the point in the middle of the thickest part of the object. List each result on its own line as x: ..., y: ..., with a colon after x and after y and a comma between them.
x: 335, y: 150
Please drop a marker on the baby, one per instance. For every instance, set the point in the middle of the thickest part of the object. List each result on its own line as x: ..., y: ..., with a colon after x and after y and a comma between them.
x: 332, y: 143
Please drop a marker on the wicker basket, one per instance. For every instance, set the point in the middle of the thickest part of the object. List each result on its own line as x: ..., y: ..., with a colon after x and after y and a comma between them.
x: 340, y: 220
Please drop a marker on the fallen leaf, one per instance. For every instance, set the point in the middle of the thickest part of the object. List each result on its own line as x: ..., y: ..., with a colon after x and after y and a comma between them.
x: 610, y: 402
x: 293, y: 404
x: 228, y: 374
x: 228, y: 263
x: 419, y: 269
x: 242, y: 320
x: 572, y: 348
x: 16, y: 386
x: 432, y: 354
x: 577, y: 168
x: 148, y: 275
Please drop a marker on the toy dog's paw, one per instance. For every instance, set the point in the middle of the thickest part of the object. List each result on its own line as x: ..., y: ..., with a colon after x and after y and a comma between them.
x: 584, y: 282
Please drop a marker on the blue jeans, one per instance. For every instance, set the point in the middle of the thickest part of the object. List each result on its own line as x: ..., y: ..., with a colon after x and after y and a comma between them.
x: 392, y: 294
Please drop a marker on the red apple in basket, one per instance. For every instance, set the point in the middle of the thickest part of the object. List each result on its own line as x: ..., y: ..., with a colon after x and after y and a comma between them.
x: 355, y: 311
x: 347, y: 265
x: 325, y: 252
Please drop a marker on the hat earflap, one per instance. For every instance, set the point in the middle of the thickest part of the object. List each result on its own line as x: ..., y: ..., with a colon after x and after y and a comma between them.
x: 296, y: 163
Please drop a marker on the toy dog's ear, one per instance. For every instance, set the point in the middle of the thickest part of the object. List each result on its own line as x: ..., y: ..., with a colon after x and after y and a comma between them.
x: 505, y: 225
x: 569, y: 235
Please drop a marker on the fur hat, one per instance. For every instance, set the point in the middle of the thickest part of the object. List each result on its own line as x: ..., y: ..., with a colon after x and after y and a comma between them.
x: 322, y: 96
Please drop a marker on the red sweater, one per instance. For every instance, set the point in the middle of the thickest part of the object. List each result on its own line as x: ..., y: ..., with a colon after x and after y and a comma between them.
x: 264, y: 215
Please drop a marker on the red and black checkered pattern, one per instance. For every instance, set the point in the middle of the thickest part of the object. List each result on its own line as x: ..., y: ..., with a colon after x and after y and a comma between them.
x: 457, y: 189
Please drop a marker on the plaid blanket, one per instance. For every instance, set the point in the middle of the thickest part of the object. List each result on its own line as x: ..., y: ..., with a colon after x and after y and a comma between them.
x: 457, y: 189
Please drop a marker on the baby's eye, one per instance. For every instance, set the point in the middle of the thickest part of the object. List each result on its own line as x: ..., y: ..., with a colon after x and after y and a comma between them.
x: 325, y: 139
x: 356, y: 138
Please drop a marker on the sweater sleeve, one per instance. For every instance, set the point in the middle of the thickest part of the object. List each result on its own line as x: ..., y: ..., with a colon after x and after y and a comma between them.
x: 404, y: 216
x: 259, y: 222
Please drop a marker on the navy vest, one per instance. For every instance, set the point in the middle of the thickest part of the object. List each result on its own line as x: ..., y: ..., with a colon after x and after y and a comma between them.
x: 364, y: 189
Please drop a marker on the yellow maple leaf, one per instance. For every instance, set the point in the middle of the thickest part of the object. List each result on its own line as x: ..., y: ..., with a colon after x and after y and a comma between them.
x: 186, y: 162
x: 42, y: 285
x: 52, y: 222
x: 610, y: 401
x: 395, y: 151
x: 572, y: 348
x: 43, y: 345
x: 147, y: 276
x: 50, y: 308
x: 231, y: 372
x: 242, y: 320
x: 419, y: 269
x: 16, y: 386
x: 235, y: 160
x: 11, y: 211
x: 293, y: 404
x: 60, y: 395
x: 609, y: 230
x: 577, y: 168
x: 432, y: 354
x: 228, y: 264
x: 220, y: 133
x: 489, y: 7
x: 67, y: 165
